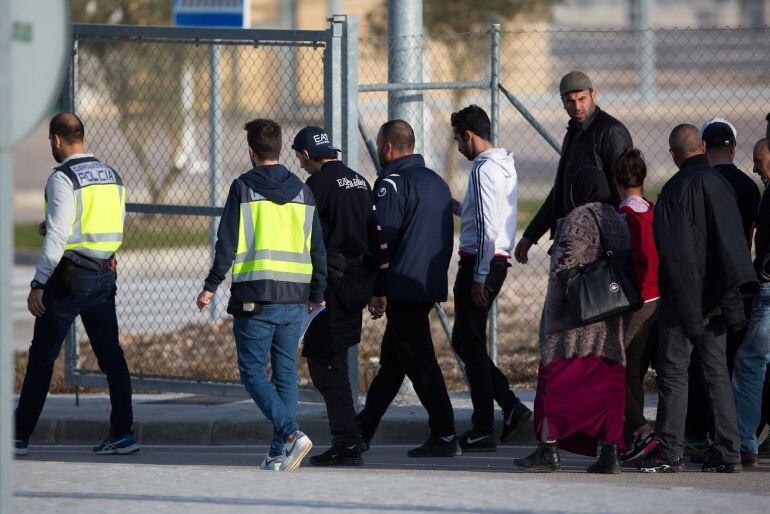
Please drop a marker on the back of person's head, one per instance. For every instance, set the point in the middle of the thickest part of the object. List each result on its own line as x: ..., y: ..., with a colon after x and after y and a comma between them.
x: 264, y: 137
x: 68, y: 127
x: 399, y: 134
x: 685, y: 139
x: 589, y: 185
x: 630, y: 169
x: 474, y: 119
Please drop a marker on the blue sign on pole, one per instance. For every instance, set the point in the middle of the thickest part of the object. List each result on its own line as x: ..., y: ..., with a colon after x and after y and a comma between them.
x: 211, y: 13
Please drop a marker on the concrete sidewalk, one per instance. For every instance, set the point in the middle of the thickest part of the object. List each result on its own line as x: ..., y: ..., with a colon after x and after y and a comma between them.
x: 205, y: 420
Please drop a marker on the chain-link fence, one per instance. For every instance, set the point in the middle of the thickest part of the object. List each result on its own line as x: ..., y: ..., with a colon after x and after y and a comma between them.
x: 166, y: 108
x: 147, y: 106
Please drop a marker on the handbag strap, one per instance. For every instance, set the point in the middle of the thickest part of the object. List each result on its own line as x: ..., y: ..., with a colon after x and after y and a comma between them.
x: 599, y: 228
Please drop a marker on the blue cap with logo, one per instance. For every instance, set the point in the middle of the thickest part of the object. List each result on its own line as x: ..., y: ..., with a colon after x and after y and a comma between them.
x: 315, y: 140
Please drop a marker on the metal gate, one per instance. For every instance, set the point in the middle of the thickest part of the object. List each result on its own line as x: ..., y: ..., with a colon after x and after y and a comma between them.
x: 166, y: 107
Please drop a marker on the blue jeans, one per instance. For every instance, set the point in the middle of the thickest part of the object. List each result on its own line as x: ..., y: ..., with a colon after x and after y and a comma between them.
x: 750, y: 367
x: 94, y: 300
x: 274, y: 332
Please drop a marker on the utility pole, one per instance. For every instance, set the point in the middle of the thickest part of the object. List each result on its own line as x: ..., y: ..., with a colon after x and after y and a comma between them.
x: 405, y: 55
x: 640, y: 12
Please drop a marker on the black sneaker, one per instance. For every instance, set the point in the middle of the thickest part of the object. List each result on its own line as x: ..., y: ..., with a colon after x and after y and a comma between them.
x: 363, y: 446
x: 653, y: 462
x: 470, y: 441
x: 437, y: 447
x: 545, y: 459
x: 640, y: 446
x: 339, y: 455
x: 714, y: 464
x: 513, y: 421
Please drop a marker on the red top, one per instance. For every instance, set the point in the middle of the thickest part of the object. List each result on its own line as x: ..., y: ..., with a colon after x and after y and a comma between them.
x: 645, y: 255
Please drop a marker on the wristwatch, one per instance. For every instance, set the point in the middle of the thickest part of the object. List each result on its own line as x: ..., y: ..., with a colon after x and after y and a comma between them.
x: 36, y: 285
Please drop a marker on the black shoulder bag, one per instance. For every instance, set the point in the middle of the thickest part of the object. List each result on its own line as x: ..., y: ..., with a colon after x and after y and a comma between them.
x: 602, y: 288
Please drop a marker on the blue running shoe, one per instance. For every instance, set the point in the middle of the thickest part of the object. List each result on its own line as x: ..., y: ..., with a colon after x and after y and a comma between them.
x: 121, y: 445
x: 21, y: 447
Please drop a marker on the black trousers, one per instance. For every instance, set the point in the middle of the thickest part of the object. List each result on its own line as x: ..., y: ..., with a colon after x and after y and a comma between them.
x: 673, y: 361
x: 637, y: 363
x: 469, y: 340
x: 94, y: 301
x: 699, y: 421
x: 407, y: 350
x: 329, y: 373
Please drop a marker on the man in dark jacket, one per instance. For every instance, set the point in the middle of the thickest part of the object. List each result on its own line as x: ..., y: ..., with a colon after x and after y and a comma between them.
x: 703, y: 259
x: 719, y: 136
x: 267, y: 222
x: 594, y: 138
x: 354, y: 252
x: 414, y: 208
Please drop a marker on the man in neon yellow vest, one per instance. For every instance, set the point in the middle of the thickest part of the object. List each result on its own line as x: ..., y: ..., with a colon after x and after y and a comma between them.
x: 270, y: 236
x: 83, y: 228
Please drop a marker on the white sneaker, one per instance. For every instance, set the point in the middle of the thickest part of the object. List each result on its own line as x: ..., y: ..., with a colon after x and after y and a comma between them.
x: 294, y: 450
x: 272, y: 463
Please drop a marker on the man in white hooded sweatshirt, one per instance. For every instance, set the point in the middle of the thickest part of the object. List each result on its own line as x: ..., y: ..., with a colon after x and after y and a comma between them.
x: 487, y: 237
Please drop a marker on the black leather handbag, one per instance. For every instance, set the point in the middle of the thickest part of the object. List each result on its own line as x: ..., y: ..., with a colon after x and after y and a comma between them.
x: 602, y: 288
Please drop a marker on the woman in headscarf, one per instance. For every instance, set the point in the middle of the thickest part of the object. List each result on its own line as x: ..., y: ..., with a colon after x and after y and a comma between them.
x: 580, y: 397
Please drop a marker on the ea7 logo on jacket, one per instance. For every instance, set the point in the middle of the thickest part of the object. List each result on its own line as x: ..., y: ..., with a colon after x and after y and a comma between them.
x: 349, y: 184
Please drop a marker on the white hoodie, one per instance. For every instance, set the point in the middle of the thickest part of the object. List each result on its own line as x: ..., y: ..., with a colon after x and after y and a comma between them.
x: 488, y: 213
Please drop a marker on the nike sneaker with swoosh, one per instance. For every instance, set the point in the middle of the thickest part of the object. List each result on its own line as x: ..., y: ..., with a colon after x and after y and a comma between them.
x: 513, y: 421
x: 272, y: 462
x: 294, y: 450
x: 470, y: 441
x: 445, y: 446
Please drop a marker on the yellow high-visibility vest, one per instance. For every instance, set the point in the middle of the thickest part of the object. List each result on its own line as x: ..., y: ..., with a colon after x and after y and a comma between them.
x: 274, y: 240
x: 100, y: 208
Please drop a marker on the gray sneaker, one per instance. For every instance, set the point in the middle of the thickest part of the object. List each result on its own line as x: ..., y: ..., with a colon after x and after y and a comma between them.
x: 272, y: 463
x: 294, y: 450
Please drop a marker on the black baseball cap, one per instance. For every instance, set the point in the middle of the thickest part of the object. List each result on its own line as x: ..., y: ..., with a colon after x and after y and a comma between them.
x: 315, y: 140
x: 718, y: 133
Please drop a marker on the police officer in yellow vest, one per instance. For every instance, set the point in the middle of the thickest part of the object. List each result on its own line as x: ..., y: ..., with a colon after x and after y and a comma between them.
x: 270, y: 235
x: 83, y: 228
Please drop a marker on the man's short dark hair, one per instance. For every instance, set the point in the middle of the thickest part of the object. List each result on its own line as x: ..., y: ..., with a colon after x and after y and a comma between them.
x: 68, y: 127
x: 685, y: 138
x: 398, y: 133
x: 264, y: 137
x: 474, y: 119
x: 328, y: 157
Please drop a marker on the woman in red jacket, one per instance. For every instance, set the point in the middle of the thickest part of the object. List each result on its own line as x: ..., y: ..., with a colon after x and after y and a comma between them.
x: 630, y: 172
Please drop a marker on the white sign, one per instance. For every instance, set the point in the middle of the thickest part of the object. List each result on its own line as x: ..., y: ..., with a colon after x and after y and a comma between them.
x: 39, y: 46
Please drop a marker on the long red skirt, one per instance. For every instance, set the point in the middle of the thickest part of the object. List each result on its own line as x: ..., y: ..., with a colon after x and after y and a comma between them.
x: 583, y: 399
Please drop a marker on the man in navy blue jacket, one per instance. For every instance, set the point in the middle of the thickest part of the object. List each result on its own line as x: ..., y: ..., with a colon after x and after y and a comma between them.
x: 414, y: 208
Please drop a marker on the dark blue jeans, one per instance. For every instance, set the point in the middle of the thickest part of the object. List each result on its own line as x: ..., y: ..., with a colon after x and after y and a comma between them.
x: 272, y: 335
x: 94, y: 300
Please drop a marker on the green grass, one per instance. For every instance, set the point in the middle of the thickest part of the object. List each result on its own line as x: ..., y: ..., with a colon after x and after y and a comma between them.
x: 137, y: 238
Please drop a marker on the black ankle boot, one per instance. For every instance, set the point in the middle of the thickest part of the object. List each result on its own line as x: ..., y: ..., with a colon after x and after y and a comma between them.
x: 545, y: 459
x: 609, y: 461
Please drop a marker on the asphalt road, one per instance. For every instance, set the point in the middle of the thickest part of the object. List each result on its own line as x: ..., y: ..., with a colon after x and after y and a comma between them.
x: 227, y: 479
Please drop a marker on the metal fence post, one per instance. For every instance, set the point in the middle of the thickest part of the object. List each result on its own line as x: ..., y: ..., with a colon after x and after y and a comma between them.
x: 333, y: 79
x: 405, y: 49
x: 215, y: 122
x: 494, y: 93
x: 646, y: 43
x: 350, y: 144
x: 69, y: 103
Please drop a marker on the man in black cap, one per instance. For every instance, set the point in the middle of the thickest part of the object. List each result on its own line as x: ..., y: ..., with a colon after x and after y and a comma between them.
x: 354, y: 253
x: 594, y: 138
x: 719, y: 138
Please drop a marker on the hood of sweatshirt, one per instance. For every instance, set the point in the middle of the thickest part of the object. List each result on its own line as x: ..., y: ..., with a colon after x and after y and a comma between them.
x: 274, y: 182
x: 501, y: 157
